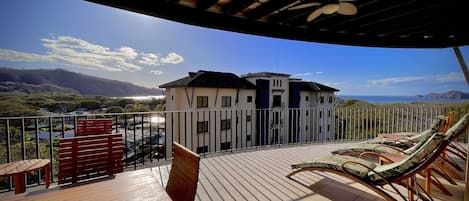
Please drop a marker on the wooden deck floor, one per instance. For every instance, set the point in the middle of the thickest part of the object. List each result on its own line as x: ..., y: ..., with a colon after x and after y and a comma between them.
x: 260, y: 175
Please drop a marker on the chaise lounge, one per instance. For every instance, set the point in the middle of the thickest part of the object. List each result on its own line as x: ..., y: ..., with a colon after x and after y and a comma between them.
x: 375, y: 176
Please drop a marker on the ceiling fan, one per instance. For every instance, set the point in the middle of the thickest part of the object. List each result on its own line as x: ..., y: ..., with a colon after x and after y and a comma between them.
x: 327, y: 7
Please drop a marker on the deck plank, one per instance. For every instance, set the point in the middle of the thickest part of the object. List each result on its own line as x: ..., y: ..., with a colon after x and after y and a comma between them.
x: 260, y: 175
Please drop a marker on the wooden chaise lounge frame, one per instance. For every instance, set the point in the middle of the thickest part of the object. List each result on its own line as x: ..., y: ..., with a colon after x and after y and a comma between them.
x: 443, y: 170
x: 376, y: 187
x: 410, y: 175
x: 440, y: 168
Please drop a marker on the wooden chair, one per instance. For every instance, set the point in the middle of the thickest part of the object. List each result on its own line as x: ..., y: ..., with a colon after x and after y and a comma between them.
x: 184, y: 174
x: 87, y: 127
x: 85, y: 157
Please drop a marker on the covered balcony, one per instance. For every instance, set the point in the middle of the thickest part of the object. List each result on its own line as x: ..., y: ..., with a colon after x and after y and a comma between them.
x: 243, y: 169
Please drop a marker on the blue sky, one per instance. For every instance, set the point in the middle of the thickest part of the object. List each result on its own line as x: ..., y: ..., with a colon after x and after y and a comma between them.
x: 106, y: 42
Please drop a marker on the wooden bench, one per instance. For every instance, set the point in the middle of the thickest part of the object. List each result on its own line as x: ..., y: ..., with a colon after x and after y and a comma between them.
x: 85, y: 157
x: 93, y: 127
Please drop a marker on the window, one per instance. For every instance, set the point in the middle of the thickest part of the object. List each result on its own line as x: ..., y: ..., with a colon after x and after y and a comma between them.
x: 320, y: 129
x: 307, y: 98
x: 248, y: 138
x: 203, y: 149
x: 277, y: 101
x: 320, y: 114
x: 226, y: 101
x: 225, y: 145
x: 329, y: 113
x: 202, y: 126
x: 330, y: 99
x: 321, y: 99
x: 328, y: 127
x: 280, y: 82
x: 202, y: 101
x: 225, y: 124
x: 172, y: 97
x: 249, y: 99
x: 306, y: 127
x: 276, y: 118
x: 306, y: 112
x: 248, y: 118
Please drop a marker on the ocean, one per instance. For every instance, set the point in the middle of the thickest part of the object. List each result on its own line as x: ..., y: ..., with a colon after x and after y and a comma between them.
x: 143, y: 97
x: 399, y: 99
x: 370, y: 99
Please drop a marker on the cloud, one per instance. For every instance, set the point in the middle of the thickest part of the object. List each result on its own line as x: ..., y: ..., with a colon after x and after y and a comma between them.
x: 172, y: 58
x: 306, y: 74
x: 72, y: 51
x: 302, y: 74
x: 443, y: 78
x: 319, y: 73
x: 451, y: 77
x: 150, y: 59
x: 156, y: 59
x: 335, y: 84
x: 395, y: 80
x: 156, y: 72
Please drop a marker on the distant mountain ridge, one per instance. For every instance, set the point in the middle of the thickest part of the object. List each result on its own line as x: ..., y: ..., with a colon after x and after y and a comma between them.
x: 448, y: 95
x: 59, y: 80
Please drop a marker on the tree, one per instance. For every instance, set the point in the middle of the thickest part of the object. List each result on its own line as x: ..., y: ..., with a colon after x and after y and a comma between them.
x: 114, y: 109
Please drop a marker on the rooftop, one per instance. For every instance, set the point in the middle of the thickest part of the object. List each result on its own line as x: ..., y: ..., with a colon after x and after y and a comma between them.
x: 210, y: 79
x: 324, y: 87
x: 265, y: 74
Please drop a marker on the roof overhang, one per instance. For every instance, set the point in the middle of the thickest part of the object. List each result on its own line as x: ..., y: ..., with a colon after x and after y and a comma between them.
x: 378, y: 23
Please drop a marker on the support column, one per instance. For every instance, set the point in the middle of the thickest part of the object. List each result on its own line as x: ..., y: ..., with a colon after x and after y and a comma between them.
x: 462, y: 63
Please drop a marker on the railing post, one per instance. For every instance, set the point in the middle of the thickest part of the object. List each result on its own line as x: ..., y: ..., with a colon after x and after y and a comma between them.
x: 8, y: 143
x: 143, y: 140
x: 38, y: 151
x: 125, y: 141
x: 135, y: 143
x: 110, y: 155
x: 51, y: 150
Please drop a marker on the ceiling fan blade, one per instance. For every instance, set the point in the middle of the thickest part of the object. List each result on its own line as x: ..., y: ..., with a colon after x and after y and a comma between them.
x: 306, y: 5
x: 314, y: 15
x: 330, y: 8
x: 347, y: 9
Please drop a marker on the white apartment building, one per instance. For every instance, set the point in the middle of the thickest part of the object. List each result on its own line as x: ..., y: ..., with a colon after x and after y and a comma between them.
x: 218, y: 111
x: 272, y: 102
x: 210, y: 111
x: 317, y: 109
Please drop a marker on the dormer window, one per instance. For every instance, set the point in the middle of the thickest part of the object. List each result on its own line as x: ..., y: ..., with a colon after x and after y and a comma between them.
x: 226, y: 101
x: 202, y: 101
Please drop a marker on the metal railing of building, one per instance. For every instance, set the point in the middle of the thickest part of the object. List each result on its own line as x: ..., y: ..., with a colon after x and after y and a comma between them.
x: 148, y: 136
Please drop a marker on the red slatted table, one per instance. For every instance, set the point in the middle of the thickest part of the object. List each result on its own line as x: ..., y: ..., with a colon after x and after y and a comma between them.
x: 19, y: 169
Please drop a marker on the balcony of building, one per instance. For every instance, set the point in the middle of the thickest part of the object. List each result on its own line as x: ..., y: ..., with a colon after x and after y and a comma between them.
x: 239, y: 171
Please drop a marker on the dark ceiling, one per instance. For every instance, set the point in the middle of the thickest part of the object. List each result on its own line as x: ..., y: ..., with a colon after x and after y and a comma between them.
x: 377, y: 23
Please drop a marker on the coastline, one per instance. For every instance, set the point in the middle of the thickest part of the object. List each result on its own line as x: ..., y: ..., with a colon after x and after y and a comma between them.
x: 398, y: 99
